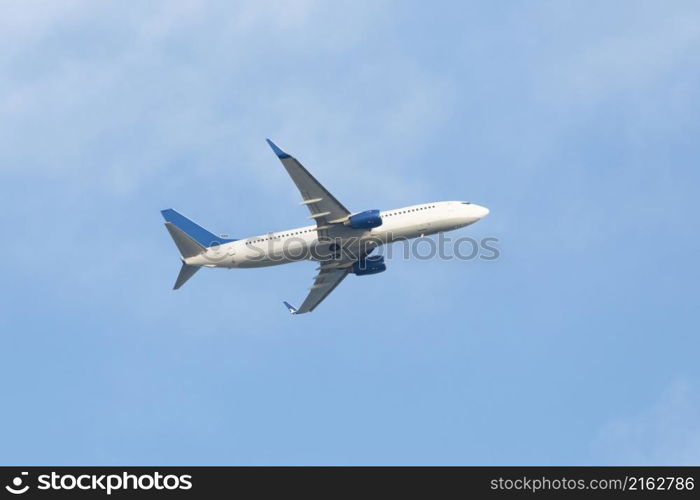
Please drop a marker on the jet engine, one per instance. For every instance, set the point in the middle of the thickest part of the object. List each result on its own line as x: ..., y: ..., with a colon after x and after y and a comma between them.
x: 365, y: 220
x: 369, y: 265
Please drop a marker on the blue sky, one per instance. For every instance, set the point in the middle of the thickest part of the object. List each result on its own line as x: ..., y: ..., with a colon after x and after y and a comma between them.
x: 576, y: 123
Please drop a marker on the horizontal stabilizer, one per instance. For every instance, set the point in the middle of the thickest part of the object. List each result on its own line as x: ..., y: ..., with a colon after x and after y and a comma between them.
x: 186, y: 272
x: 187, y: 246
x: 193, y: 230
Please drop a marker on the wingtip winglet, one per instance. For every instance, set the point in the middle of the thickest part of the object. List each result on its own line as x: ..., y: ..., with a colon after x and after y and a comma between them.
x: 291, y: 308
x: 280, y: 154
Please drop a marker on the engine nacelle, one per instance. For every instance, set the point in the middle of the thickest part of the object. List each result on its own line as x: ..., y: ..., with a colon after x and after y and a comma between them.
x: 369, y: 265
x: 365, y: 220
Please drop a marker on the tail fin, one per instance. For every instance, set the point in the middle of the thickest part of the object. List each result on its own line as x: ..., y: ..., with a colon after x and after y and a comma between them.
x: 191, y: 239
x: 186, y: 272
x: 195, y: 232
x: 188, y: 248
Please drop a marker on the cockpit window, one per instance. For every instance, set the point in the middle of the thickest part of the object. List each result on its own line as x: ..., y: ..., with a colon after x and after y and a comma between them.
x: 466, y: 203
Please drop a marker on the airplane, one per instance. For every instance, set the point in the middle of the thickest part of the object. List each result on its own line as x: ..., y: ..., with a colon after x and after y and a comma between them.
x: 340, y: 241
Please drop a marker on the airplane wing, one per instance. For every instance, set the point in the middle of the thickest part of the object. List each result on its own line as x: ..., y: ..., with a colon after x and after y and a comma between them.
x: 325, y: 209
x: 324, y: 283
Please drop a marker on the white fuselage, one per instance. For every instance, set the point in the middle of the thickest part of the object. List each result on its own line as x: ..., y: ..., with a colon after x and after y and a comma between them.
x: 282, y: 247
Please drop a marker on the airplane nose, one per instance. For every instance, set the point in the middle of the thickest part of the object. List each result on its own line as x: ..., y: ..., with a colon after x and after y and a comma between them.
x: 480, y: 211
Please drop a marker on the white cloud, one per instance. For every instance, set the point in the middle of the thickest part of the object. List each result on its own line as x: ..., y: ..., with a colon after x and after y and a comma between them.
x: 114, y: 105
x: 639, y: 48
x: 666, y: 433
